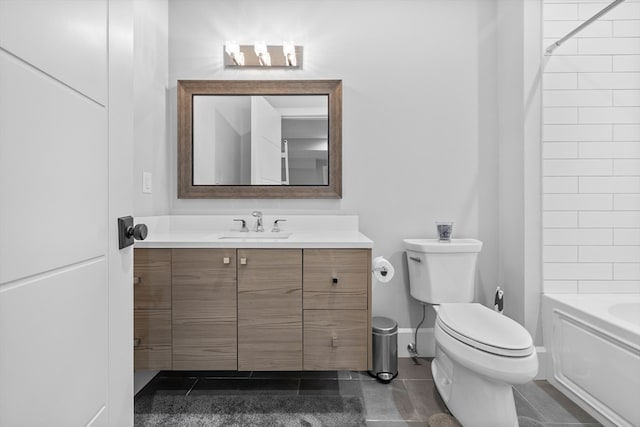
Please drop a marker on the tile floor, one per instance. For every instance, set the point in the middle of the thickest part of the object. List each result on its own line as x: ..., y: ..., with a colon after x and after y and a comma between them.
x: 408, y: 400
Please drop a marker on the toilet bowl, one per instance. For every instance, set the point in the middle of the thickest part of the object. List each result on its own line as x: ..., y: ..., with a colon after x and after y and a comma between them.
x: 480, y: 353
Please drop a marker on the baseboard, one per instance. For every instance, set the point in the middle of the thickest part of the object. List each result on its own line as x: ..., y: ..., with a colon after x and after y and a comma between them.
x: 426, y: 341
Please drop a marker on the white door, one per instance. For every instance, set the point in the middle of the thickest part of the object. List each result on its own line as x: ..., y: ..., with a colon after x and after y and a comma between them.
x: 266, y: 146
x: 65, y: 291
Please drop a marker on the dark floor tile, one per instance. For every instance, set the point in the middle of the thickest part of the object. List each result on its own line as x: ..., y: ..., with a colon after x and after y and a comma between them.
x: 224, y: 374
x: 208, y: 374
x: 397, y: 424
x: 334, y: 375
x: 330, y: 387
x: 168, y: 386
x: 425, y: 398
x: 388, y: 402
x: 554, y: 406
x: 414, y: 369
x: 524, y: 408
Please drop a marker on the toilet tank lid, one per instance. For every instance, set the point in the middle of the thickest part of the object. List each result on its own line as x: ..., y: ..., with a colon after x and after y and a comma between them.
x: 485, y: 326
x: 437, y: 246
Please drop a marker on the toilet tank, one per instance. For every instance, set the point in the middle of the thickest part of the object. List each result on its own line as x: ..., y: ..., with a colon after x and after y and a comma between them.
x: 442, y: 272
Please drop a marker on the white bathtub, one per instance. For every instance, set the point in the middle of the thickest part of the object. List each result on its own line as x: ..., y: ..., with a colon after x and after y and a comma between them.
x: 594, y: 342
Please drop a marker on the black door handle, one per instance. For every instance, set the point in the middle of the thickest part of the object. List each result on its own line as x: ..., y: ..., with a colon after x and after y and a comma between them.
x: 127, y: 232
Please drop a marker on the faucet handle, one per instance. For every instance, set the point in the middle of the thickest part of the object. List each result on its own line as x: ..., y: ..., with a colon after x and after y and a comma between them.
x: 243, y: 228
x: 257, y: 214
x: 276, y: 228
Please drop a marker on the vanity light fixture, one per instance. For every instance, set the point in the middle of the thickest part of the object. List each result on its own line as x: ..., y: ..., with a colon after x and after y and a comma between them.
x: 233, y: 50
x: 289, y: 51
x: 260, y: 48
x: 262, y: 55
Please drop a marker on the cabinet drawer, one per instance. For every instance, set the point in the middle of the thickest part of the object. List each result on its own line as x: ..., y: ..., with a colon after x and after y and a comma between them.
x: 336, y: 278
x: 335, y: 340
x: 152, y: 278
x: 152, y: 339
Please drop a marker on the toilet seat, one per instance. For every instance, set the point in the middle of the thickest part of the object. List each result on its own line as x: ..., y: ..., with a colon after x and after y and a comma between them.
x: 484, y: 329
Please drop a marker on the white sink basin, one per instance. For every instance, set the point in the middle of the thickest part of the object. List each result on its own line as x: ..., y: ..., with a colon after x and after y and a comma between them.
x: 254, y: 235
x: 437, y: 246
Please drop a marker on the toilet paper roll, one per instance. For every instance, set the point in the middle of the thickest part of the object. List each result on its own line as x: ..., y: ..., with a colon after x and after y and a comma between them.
x: 383, y: 270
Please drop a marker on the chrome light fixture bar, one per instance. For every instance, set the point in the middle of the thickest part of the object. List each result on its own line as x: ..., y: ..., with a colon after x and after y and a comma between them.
x: 261, y: 55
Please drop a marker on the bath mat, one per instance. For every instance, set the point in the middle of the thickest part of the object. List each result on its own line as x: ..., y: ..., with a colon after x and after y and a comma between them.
x: 249, y: 410
x: 443, y: 420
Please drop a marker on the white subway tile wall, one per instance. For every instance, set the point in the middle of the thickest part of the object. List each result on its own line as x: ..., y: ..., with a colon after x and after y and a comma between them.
x: 591, y: 149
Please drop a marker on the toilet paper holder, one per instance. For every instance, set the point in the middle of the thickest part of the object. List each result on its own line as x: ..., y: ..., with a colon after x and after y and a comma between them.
x: 383, y: 270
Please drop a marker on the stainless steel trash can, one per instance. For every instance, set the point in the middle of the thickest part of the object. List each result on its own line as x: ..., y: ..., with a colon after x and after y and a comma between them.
x: 385, y: 349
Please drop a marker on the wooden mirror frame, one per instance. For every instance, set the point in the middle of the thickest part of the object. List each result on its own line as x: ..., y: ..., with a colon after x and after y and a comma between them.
x: 188, y: 88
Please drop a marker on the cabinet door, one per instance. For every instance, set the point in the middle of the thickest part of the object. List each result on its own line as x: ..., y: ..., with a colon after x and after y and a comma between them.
x: 152, y: 313
x: 336, y: 278
x: 336, y: 340
x: 152, y: 278
x: 269, y: 309
x: 204, y: 311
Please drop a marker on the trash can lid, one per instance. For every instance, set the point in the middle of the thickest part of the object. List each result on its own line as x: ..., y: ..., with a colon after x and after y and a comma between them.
x: 384, y: 325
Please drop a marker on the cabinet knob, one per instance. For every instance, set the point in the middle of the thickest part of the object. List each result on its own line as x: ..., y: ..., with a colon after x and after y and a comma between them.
x: 136, y: 342
x: 334, y: 280
x: 226, y: 260
x: 243, y: 261
x: 136, y: 280
x: 334, y: 341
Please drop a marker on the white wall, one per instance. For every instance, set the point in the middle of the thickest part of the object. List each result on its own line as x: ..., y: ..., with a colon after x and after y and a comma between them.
x: 151, y: 147
x: 592, y: 150
x: 419, y: 125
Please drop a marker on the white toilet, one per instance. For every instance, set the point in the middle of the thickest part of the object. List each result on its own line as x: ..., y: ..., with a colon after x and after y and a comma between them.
x: 480, y: 353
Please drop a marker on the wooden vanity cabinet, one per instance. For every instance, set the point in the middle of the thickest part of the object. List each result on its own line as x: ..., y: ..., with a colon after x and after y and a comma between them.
x: 152, y: 309
x: 270, y: 309
x: 204, y: 315
x: 253, y: 309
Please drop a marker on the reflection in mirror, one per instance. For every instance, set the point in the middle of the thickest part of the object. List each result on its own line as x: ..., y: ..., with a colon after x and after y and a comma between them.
x: 260, y: 140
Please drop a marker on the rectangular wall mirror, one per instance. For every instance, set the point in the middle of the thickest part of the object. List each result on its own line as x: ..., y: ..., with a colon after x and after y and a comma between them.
x: 259, y: 139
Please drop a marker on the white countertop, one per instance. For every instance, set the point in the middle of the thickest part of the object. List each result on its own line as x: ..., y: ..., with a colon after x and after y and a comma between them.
x: 205, y: 231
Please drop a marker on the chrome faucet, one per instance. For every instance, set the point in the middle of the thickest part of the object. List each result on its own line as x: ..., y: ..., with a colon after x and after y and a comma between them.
x: 258, y: 215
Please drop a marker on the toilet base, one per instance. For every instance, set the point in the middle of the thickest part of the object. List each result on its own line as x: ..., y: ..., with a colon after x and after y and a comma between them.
x: 475, y: 400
